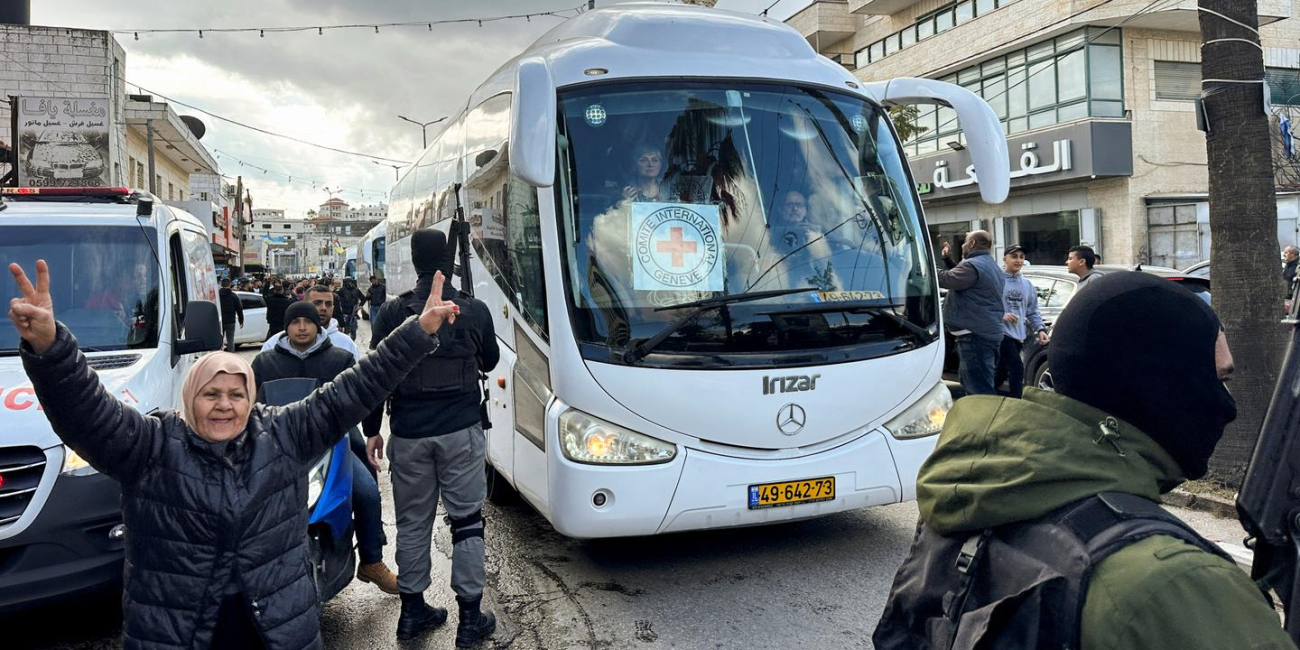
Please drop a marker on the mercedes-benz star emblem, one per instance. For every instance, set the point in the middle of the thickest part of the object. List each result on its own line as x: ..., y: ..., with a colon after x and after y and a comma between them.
x: 790, y: 419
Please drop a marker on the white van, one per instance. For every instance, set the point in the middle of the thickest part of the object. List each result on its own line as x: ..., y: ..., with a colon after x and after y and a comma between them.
x: 134, y: 280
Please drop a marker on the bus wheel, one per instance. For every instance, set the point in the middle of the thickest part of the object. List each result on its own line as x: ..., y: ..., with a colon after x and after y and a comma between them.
x: 499, y: 490
x: 1043, y: 377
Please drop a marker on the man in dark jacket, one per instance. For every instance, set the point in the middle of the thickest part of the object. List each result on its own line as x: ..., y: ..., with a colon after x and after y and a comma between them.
x: 973, y: 310
x: 305, y: 351
x: 1139, y: 406
x: 376, y: 294
x: 231, y: 312
x: 276, y: 304
x: 349, y: 300
x: 438, y: 447
x: 1291, y: 260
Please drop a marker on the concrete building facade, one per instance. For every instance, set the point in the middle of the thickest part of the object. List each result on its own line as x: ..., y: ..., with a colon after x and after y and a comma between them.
x: 1102, y: 91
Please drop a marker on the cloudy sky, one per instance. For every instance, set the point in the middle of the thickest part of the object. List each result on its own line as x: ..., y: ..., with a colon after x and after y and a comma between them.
x: 343, y: 89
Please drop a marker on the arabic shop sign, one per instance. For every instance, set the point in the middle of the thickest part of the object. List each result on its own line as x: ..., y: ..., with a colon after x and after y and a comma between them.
x: 63, y: 142
x: 1073, y: 152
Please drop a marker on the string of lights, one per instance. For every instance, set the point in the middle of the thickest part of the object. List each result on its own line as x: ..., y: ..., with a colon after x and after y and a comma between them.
x: 320, y: 29
x: 315, y: 183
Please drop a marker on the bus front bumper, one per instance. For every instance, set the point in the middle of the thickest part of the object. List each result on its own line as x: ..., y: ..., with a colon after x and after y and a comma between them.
x: 701, y: 490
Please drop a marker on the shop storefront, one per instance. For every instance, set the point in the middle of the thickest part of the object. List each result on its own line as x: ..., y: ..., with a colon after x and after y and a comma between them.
x: 1049, y: 209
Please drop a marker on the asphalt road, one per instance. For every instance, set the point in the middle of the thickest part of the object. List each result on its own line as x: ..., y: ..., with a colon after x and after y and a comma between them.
x: 813, y: 584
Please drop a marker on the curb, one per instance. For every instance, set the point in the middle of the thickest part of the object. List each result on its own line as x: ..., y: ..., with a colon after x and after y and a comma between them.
x: 1215, y: 505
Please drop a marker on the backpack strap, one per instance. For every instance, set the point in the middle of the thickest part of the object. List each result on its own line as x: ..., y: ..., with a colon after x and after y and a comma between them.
x: 1109, y: 521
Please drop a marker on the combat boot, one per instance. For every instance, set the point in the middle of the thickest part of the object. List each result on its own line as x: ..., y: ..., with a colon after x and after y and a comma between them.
x: 475, y: 625
x: 417, y: 617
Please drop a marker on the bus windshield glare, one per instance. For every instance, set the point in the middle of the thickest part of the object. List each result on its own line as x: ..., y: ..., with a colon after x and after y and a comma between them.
x: 677, y: 198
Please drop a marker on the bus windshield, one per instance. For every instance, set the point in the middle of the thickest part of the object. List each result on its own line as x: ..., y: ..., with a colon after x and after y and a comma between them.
x: 103, y: 279
x: 677, y: 198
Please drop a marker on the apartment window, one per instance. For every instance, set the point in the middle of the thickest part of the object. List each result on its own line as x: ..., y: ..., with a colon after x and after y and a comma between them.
x: 935, y: 22
x: 1071, y: 77
x: 157, y: 183
x: 139, y: 175
x: 1178, y: 81
x: 288, y: 226
x: 130, y: 170
x: 203, y: 196
x: 171, y: 192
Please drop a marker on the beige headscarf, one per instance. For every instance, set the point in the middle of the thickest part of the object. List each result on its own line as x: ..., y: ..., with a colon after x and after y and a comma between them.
x: 204, y: 370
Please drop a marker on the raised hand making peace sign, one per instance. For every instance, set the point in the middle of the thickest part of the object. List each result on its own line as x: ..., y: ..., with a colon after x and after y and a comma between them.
x: 33, y: 314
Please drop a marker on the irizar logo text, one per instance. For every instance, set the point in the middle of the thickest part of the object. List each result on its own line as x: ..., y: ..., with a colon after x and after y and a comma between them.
x: 790, y: 384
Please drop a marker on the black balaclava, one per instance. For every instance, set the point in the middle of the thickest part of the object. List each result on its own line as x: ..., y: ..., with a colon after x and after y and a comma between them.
x: 1141, y: 348
x: 428, y: 248
x: 301, y: 309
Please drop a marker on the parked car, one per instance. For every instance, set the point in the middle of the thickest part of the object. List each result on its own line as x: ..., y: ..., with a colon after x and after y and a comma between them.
x: 255, y: 326
x: 1055, y: 286
x: 1199, y: 269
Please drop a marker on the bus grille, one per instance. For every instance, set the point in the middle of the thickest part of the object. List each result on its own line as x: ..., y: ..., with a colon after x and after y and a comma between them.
x: 21, y: 469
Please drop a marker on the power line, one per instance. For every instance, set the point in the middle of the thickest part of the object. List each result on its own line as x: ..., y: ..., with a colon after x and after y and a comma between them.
x: 259, y: 129
x: 297, y: 178
x: 320, y: 29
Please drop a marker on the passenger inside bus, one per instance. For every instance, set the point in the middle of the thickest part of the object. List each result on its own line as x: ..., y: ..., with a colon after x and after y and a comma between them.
x: 647, y: 170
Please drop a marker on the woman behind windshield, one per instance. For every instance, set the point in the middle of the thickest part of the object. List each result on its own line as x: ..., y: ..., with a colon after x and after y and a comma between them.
x: 647, y: 169
x: 214, y: 496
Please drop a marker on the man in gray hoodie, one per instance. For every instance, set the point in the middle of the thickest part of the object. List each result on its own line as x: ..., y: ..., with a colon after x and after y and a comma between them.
x: 1021, y: 301
x: 973, y: 310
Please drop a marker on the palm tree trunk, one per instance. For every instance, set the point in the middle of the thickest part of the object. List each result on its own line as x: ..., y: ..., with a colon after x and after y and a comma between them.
x: 1243, y: 223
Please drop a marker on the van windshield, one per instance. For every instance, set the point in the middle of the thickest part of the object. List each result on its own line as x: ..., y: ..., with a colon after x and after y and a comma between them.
x: 103, y: 279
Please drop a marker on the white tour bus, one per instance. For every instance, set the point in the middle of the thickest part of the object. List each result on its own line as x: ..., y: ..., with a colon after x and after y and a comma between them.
x: 707, y: 268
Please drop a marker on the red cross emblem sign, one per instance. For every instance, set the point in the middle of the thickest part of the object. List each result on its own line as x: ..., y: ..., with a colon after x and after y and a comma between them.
x: 676, y: 246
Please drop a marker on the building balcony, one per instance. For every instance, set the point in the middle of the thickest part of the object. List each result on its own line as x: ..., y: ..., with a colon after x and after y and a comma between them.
x: 1179, y: 16
x: 825, y: 23
x: 879, y: 7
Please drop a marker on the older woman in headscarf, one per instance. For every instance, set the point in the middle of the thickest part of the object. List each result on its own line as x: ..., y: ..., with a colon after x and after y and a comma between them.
x: 213, y: 497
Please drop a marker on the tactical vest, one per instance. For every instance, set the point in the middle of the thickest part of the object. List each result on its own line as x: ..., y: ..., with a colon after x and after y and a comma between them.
x: 1017, y: 586
x: 453, y: 369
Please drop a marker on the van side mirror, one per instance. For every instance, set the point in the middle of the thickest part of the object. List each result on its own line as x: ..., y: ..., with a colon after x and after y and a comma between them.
x: 202, y: 328
x: 532, y: 129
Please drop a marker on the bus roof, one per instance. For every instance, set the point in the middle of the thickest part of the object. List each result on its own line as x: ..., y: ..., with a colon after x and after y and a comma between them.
x: 647, y: 40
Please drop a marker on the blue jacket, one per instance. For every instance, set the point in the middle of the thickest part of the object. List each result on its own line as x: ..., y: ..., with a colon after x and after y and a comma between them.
x: 974, y: 300
x: 1020, y: 298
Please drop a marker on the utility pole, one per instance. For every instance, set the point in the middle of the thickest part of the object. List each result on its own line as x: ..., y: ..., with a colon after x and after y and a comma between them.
x: 148, y: 127
x: 1248, y: 286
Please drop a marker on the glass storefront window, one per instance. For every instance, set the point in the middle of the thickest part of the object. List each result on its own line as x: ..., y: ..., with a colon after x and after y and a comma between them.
x: 995, y: 93
x: 994, y: 66
x: 1040, y: 120
x: 1108, y: 109
x: 1040, y: 51
x: 1047, y: 238
x: 1071, y: 112
x: 1017, y: 93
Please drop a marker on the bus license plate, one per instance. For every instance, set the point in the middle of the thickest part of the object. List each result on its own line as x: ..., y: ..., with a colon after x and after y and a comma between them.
x: 789, y: 493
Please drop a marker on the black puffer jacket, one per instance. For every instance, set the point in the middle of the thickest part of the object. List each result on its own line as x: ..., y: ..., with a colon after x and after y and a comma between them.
x: 175, y: 490
x: 323, y: 364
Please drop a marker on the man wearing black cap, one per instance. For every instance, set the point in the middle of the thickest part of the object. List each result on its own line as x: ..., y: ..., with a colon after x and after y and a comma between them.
x: 306, y: 351
x: 1022, y: 318
x: 438, y: 449
x: 1138, y: 365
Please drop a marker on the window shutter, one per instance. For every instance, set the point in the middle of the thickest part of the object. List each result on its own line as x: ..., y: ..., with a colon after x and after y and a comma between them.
x: 1178, y: 82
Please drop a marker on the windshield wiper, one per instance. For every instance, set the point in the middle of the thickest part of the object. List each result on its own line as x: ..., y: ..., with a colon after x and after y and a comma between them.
x: 700, y: 306
x: 875, y: 310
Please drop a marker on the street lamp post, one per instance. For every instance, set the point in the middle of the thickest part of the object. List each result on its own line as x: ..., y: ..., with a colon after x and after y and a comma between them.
x: 424, y: 128
x: 396, y: 175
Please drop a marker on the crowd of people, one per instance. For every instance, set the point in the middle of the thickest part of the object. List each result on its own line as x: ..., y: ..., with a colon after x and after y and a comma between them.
x: 348, y: 302
x: 1039, y: 516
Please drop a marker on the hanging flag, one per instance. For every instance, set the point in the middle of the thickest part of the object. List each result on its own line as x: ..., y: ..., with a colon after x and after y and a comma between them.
x: 1288, y: 144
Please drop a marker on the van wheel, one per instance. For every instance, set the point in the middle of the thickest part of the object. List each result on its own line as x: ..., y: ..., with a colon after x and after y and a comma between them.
x: 499, y: 490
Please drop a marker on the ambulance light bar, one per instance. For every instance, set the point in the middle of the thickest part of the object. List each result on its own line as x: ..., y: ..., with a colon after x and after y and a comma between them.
x: 104, y: 192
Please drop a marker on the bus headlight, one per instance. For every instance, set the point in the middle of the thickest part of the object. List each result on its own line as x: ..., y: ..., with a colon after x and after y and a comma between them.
x: 316, y: 478
x: 588, y: 439
x: 74, y: 464
x: 925, y: 417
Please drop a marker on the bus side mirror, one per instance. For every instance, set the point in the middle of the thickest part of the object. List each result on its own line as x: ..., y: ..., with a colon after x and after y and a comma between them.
x: 984, y: 136
x: 202, y: 328
x: 533, y: 129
